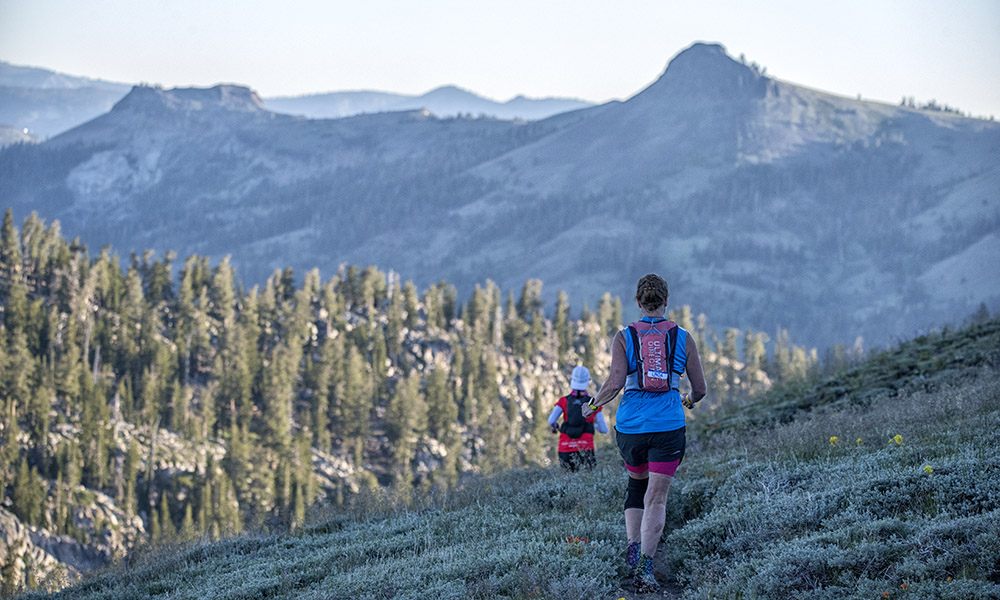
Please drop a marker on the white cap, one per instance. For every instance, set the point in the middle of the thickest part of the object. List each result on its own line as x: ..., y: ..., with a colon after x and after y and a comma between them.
x: 580, y: 379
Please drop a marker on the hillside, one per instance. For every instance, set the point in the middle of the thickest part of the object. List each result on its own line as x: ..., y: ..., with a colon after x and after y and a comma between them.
x: 141, y: 408
x: 782, y: 206
x: 893, y: 498
x: 47, y: 103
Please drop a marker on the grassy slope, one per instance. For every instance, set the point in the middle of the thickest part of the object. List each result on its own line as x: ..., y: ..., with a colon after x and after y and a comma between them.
x: 777, y: 512
x: 920, y: 364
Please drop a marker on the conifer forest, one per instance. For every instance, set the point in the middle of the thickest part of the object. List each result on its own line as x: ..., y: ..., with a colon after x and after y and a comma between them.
x: 190, y: 406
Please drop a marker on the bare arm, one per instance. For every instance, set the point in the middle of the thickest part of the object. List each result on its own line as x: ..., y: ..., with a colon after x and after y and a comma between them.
x: 616, y: 378
x: 694, y: 372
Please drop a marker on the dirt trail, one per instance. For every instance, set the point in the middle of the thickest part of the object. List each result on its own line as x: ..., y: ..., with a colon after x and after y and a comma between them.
x: 669, y: 589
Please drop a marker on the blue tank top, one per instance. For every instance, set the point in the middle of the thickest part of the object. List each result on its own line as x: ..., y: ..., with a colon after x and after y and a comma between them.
x: 651, y: 412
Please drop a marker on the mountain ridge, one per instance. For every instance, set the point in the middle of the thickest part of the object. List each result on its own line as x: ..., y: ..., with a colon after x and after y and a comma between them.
x: 780, y: 200
x: 48, y: 103
x: 443, y: 101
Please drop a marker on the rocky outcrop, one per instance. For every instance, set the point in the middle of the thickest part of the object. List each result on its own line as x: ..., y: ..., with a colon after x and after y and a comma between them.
x: 102, y: 532
x: 28, y: 553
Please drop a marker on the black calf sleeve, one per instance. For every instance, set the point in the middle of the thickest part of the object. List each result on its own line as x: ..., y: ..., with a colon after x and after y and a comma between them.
x: 635, y: 492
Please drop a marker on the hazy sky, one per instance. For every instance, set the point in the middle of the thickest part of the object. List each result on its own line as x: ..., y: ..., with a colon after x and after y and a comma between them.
x: 591, y: 49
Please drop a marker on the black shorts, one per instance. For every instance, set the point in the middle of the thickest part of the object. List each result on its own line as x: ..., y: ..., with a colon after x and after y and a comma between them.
x: 571, y: 461
x: 657, y: 452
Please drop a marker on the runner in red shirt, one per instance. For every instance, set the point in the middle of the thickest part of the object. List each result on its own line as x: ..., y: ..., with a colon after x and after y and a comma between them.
x: 576, y: 435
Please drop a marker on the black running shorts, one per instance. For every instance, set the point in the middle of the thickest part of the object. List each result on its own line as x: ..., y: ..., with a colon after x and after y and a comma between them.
x: 657, y: 452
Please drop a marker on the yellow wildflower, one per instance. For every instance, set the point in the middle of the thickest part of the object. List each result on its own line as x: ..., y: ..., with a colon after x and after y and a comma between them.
x: 858, y: 441
x: 833, y: 441
x: 898, y: 439
x: 928, y: 469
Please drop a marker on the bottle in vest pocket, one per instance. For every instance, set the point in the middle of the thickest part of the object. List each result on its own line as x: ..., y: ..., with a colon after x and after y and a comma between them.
x: 654, y: 345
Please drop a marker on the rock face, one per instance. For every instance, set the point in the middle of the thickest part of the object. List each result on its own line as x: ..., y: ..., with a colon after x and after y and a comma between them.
x: 19, y: 549
x: 103, y: 532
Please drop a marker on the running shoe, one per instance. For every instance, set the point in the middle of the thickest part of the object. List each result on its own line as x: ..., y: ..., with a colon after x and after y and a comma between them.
x: 644, y: 580
x: 632, y: 556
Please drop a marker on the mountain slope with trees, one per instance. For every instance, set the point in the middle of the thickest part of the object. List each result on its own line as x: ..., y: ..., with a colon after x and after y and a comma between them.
x: 143, y: 406
x: 895, y: 496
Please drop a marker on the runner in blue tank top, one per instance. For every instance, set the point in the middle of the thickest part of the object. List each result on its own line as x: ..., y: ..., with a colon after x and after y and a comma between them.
x: 649, y: 425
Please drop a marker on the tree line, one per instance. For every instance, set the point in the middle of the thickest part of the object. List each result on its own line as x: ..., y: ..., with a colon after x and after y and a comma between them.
x: 101, y: 358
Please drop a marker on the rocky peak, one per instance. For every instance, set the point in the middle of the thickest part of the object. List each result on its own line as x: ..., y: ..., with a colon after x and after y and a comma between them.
x: 707, y: 71
x: 220, y: 98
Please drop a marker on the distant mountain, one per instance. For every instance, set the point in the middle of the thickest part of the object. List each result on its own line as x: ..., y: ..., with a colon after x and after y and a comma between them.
x: 447, y: 101
x: 46, y: 103
x: 774, y: 205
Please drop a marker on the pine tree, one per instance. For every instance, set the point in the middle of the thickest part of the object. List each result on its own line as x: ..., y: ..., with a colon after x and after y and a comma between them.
x: 516, y: 330
x: 168, y: 533
x: 206, y: 514
x: 682, y: 317
x: 395, y: 324
x: 130, y: 471
x: 298, y: 506
x: 179, y: 409
x: 406, y: 420
x: 754, y: 354
x: 283, y: 482
x: 434, y: 307
x: 561, y: 326
x: 357, y: 402
x: 783, y: 356
x: 28, y: 494
x: 410, y: 305
x: 159, y: 280
x: 16, y: 374
x: 442, y: 411
x: 468, y: 408
x: 379, y: 369
x: 304, y: 476
x: 497, y: 448
x: 10, y: 255
x: 9, y: 450
x: 155, y: 533
x: 229, y: 518
x: 187, y: 532
x: 449, y: 302
x: 530, y: 301
x: 278, y: 391
x: 236, y: 463
x: 609, y: 314
x: 42, y: 398
x: 317, y: 381
x: 729, y: 350
x: 32, y: 236
x: 539, y: 442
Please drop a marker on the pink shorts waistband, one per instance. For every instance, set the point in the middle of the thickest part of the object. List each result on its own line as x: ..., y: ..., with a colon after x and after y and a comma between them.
x: 663, y: 468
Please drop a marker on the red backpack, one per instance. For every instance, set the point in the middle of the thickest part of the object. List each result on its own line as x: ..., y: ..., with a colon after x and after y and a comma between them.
x: 654, y: 344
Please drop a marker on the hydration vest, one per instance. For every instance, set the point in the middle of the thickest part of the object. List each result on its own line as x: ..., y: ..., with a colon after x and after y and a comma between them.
x: 654, y: 345
x: 574, y: 425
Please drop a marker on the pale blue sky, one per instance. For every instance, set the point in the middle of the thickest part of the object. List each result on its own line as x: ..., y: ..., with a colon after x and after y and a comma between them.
x: 591, y: 49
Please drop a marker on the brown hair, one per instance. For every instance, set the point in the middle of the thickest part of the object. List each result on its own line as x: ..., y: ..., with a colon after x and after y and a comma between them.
x: 651, y: 292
